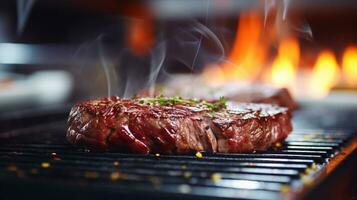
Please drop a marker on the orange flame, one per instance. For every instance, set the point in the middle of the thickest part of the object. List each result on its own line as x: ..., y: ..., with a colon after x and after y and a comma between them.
x: 283, y: 70
x: 349, y: 65
x: 249, y: 55
x: 324, y: 75
x: 248, y: 52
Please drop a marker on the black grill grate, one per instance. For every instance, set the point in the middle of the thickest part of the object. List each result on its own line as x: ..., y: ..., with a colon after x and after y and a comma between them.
x: 41, y: 156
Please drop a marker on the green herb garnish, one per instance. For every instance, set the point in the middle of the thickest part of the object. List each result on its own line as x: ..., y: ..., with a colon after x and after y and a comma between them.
x: 174, y: 100
x: 217, y: 106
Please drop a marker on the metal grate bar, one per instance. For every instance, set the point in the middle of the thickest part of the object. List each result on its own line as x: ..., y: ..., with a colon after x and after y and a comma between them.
x: 258, y: 175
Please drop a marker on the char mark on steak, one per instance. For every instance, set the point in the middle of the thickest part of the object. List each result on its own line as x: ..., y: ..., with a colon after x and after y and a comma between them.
x: 175, y: 125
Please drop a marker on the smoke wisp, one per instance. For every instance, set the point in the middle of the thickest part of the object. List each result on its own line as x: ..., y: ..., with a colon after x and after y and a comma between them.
x: 23, y: 11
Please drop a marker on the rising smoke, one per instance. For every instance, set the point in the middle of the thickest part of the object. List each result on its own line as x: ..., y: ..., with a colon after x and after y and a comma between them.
x: 23, y: 12
x: 125, y: 75
x: 284, y: 24
x: 158, y: 55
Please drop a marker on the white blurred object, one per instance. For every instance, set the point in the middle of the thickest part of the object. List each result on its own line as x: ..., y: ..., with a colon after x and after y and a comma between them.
x: 44, y: 87
x: 336, y: 99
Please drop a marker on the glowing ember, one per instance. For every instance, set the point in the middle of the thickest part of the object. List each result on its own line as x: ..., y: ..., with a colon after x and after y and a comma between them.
x: 349, y: 65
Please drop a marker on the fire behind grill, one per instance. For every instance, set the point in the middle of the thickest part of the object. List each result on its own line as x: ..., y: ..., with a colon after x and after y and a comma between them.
x: 36, y: 160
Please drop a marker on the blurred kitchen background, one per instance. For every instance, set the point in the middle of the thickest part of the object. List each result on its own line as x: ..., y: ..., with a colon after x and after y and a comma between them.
x: 59, y: 52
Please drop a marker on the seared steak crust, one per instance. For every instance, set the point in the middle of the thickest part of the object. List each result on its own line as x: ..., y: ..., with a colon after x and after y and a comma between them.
x: 129, y: 125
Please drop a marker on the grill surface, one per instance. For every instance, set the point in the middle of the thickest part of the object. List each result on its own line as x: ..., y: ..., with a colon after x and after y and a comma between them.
x: 37, y: 159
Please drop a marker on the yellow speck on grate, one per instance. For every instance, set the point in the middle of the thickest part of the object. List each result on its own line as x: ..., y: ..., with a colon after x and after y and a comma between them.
x: 90, y: 174
x: 187, y: 175
x: 308, y: 170
x: 216, y: 177
x: 116, y: 163
x: 308, y: 137
x: 314, y: 166
x: 306, y: 180
x: 115, y: 176
x: 284, y: 189
x: 11, y: 168
x: 155, y: 181
x: 20, y: 173
x: 34, y: 171
x: 184, y: 188
x: 278, y: 145
x: 157, y: 154
x: 199, y: 155
x: 45, y: 165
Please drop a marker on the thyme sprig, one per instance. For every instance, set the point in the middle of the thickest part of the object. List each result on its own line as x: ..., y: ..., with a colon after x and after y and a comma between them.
x: 175, y: 100
x: 218, y: 105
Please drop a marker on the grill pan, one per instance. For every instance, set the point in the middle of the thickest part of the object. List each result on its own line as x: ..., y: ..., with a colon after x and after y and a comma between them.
x: 36, y: 161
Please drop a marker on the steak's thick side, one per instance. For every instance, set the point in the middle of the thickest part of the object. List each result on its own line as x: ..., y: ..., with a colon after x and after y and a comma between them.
x: 130, y: 126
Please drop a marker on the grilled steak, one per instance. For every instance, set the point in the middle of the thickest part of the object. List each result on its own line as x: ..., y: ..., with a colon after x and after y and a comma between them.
x: 176, y: 125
